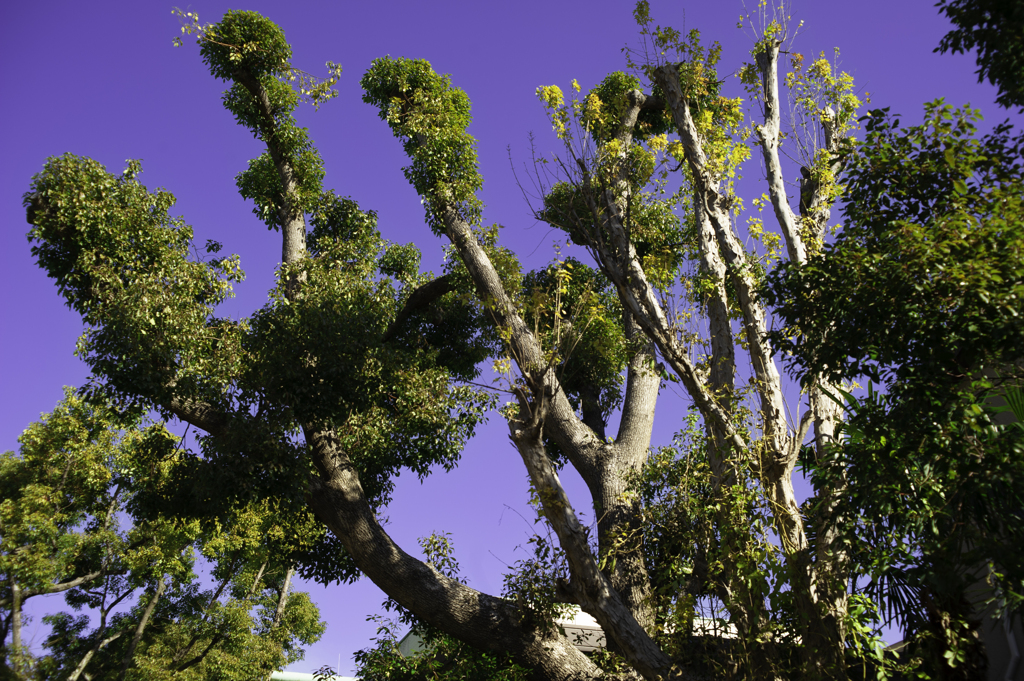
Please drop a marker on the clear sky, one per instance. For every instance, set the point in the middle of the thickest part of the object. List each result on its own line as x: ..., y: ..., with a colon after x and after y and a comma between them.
x: 101, y: 79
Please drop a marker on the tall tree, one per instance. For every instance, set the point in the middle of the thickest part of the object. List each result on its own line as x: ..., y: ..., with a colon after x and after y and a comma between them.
x: 922, y: 293
x: 360, y: 365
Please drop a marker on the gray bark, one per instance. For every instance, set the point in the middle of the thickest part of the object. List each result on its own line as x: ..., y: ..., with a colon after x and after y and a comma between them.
x: 777, y: 463
x: 619, y: 529
x: 487, y: 623
x: 591, y: 586
x: 603, y: 466
x: 84, y: 662
x: 722, y: 372
x: 640, y: 299
x: 778, y: 459
x: 828, y: 576
x: 290, y: 215
x: 283, y: 600
x: 16, y: 649
x: 769, y: 134
x: 150, y: 607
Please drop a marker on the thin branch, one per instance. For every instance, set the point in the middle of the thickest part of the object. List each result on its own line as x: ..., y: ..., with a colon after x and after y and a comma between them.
x: 130, y: 653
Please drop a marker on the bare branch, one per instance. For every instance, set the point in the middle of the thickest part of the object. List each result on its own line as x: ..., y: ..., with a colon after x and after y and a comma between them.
x: 769, y: 135
x: 420, y: 298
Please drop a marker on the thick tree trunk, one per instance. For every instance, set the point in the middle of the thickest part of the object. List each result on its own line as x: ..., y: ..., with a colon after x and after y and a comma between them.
x: 604, y: 467
x: 487, y: 623
x: 722, y: 373
x: 620, y: 533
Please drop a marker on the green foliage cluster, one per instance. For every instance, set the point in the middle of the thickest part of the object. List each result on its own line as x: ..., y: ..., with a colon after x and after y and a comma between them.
x: 63, y: 480
x: 993, y: 28
x: 356, y: 352
x: 392, y: 406
x: 606, y: 104
x: 79, y: 515
x: 123, y: 263
x: 533, y: 583
x: 443, y: 657
x: 430, y: 116
x: 662, y: 243
x: 926, y: 275
x: 574, y: 311
x: 247, y: 48
x: 922, y: 291
x: 722, y: 588
x: 819, y: 85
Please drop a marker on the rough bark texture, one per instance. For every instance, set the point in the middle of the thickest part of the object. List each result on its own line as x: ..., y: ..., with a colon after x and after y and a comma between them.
x: 828, y: 576
x: 618, y: 596
x: 619, y: 529
x: 603, y: 466
x: 593, y: 589
x: 337, y: 499
x: 769, y: 132
x: 283, y: 600
x: 16, y: 650
x: 292, y: 220
x: 640, y: 299
x: 485, y: 622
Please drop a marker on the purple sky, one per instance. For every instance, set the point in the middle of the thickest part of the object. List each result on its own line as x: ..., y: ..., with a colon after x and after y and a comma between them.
x: 101, y: 79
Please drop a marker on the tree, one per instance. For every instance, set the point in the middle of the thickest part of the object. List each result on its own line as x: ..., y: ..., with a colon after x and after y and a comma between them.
x: 921, y: 292
x: 993, y: 28
x: 360, y: 365
x: 84, y: 514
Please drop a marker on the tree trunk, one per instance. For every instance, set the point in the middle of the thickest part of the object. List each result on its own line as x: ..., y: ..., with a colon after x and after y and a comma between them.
x: 485, y: 622
x: 284, y: 597
x: 16, y: 650
x: 592, y: 588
